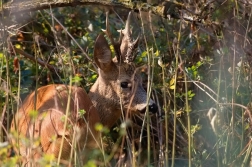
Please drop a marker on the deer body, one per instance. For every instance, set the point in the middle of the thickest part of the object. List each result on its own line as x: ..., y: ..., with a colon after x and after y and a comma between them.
x: 118, y: 88
x: 48, y: 125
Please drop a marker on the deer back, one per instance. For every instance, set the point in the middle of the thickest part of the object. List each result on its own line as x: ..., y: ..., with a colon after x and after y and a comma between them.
x: 42, y: 118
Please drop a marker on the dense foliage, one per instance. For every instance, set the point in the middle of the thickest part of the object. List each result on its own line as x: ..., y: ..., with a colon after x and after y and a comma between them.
x: 198, y: 69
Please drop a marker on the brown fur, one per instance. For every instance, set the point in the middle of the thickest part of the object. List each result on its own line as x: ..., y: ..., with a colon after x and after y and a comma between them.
x: 118, y: 88
x: 51, y: 104
x: 107, y: 94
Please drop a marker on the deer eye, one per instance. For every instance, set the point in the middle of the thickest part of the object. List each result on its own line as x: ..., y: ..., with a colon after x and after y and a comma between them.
x: 124, y: 84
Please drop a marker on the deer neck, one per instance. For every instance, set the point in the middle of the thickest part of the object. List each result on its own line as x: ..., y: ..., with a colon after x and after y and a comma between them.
x: 104, y: 100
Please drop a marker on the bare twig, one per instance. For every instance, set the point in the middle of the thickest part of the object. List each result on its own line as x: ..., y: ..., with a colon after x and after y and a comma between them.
x: 69, y: 34
x: 32, y: 58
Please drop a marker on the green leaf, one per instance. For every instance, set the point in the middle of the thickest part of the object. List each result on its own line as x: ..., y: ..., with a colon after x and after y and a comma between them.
x: 189, y: 109
x: 90, y: 163
x: 82, y: 112
x: 18, y: 46
x: 98, y: 127
x: 157, y: 53
x: 33, y: 114
x: 144, y: 54
x: 76, y: 79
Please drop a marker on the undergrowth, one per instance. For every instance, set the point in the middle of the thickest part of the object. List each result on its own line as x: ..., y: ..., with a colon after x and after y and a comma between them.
x: 197, y: 72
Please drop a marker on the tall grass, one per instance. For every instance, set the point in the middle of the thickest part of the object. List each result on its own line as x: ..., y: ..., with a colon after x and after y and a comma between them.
x: 202, y: 87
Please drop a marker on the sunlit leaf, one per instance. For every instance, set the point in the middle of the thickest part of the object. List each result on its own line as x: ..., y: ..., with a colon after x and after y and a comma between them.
x: 157, y: 53
x: 179, y: 113
x: 144, y: 54
x: 172, y: 87
x: 33, y: 114
x: 82, y: 112
x: 98, y: 127
x: 1, y: 55
x: 195, y: 128
x: 18, y: 46
x: 172, y: 81
x: 77, y: 79
x: 90, y: 163
x: 188, y: 109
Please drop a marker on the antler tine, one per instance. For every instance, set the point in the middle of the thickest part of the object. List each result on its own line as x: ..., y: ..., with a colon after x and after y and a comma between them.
x: 109, y: 35
x: 127, y: 31
x: 107, y: 31
x: 120, y: 37
x: 125, y: 46
x: 131, y: 54
x: 128, y: 45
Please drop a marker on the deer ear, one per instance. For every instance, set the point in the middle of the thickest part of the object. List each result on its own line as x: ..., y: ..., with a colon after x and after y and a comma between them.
x: 102, y: 53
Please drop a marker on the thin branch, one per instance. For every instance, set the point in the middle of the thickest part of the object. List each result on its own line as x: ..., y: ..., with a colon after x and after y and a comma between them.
x: 32, y: 58
x: 15, y: 7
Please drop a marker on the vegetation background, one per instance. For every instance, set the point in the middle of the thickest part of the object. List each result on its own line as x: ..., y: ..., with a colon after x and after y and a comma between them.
x: 195, y: 54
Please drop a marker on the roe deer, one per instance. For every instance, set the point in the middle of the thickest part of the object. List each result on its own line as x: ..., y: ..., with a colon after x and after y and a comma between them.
x: 117, y: 87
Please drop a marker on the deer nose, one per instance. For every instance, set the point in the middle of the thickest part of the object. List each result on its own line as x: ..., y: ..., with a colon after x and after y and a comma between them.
x: 153, y: 108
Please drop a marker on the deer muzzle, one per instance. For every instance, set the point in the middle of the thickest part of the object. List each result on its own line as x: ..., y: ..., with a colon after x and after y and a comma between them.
x: 153, y: 108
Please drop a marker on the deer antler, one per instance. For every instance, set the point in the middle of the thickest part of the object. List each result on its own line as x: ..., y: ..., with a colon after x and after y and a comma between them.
x: 128, y: 45
x: 125, y: 46
x: 109, y: 35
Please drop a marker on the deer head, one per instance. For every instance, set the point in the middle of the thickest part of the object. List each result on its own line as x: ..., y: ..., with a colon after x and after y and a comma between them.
x: 119, y: 85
